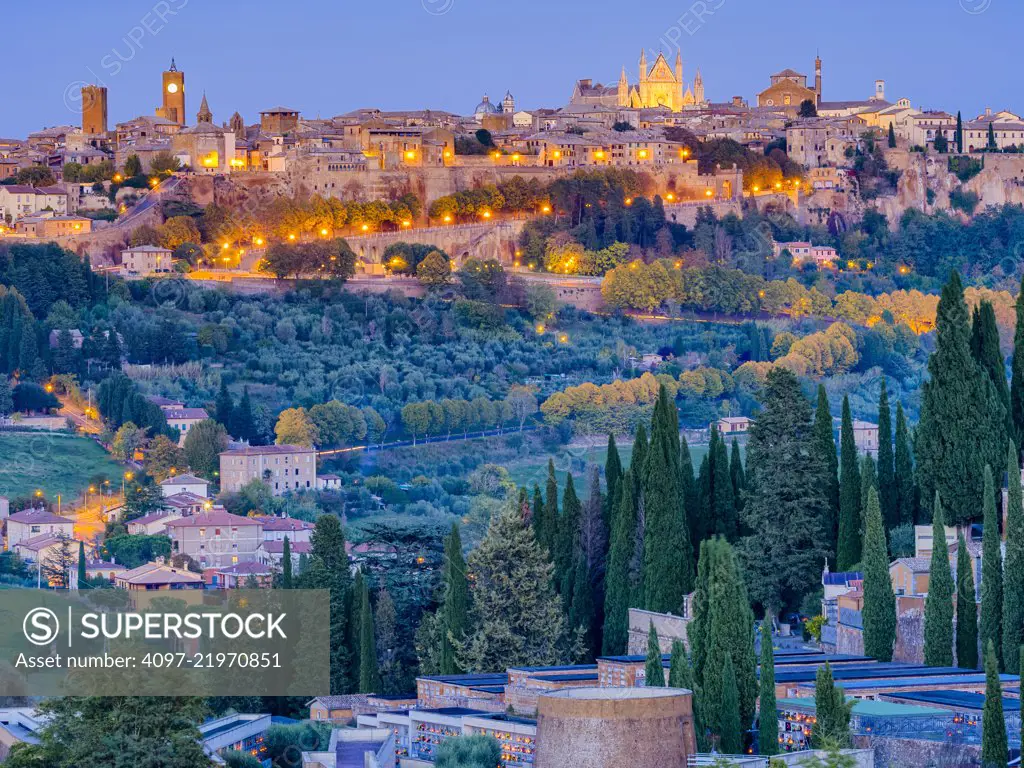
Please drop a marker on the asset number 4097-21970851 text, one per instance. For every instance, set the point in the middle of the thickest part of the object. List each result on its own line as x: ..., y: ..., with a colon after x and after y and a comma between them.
x: 202, y: 660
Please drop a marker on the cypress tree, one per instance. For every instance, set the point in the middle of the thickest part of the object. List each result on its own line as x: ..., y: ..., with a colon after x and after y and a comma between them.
x: 224, y: 406
x: 986, y: 352
x: 1017, y: 371
x: 731, y: 733
x: 369, y: 674
x: 906, y: 491
x: 991, y: 630
x: 724, y: 498
x: 767, y: 721
x: 848, y: 548
x: 699, y: 627
x: 938, y: 606
x: 567, y: 537
x: 454, y: 611
x: 537, y: 512
x: 354, y: 609
x: 1013, y: 567
x: 990, y: 144
x: 879, y: 613
x: 668, y: 557
x: 691, y: 496
x: 959, y: 135
x: 994, y: 746
x: 243, y: 425
x: 966, y: 609
x: 286, y: 564
x: 546, y: 526
x: 823, y: 443
x: 654, y: 671
x: 739, y: 480
x: 886, y: 463
x: 681, y: 675
x: 82, y: 576
x: 639, y: 456
x: 868, y: 482
x: 704, y: 522
x: 612, y: 476
x: 618, y: 584
x: 831, y: 728
x: 962, y: 426
x: 892, y: 136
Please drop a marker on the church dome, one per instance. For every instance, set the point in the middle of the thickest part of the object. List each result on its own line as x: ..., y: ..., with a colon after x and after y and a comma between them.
x: 485, y: 107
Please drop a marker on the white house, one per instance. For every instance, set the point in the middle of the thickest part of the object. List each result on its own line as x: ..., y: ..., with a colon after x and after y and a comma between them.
x: 30, y: 523
x: 185, y: 484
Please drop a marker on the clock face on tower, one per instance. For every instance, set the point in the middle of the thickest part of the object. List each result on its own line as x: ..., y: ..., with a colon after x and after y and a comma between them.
x: 172, y: 87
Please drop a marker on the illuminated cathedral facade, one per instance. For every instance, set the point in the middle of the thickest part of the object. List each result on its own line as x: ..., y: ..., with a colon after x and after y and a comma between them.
x: 660, y: 85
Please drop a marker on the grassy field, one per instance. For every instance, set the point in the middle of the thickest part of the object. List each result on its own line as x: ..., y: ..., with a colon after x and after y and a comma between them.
x: 52, y: 463
x: 576, y: 458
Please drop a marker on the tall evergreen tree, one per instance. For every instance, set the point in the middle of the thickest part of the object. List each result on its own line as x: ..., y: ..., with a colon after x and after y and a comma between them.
x: 612, y: 476
x: 243, y: 423
x: 286, y: 564
x: 654, y: 671
x: 961, y: 428
x: 768, y: 722
x: 879, y: 612
x: 868, y: 482
x: 848, y: 551
x: 887, y: 495
x: 959, y: 134
x: 369, y: 674
x: 986, y: 352
x: 454, y: 610
x: 730, y: 735
x: 224, y: 406
x: 538, y: 507
x: 786, y: 500
x: 354, y: 608
x: 906, y: 488
x: 567, y: 536
x: 703, y: 524
x: 724, y: 505
x: 328, y: 569
x: 991, y: 630
x: 82, y: 574
x: 966, y: 608
x: 587, y: 605
x: 994, y: 746
x: 618, y: 582
x: 832, y: 713
x: 727, y: 629
x: 515, y: 615
x: 823, y: 443
x: 739, y: 479
x: 681, y: 675
x: 892, y: 136
x: 1013, y: 567
x: 691, y: 497
x: 938, y: 606
x: 1017, y: 371
x: 668, y: 557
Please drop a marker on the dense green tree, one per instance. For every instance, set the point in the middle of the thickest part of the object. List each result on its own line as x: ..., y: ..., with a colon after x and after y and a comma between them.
x: 832, y: 712
x: 848, y: 552
x: 906, y: 488
x: 730, y: 734
x: 887, y: 495
x: 204, y: 443
x: 787, y: 502
x: 612, y: 476
x: 1017, y: 370
x: 567, y: 536
x: 739, y: 480
x: 516, y: 617
x: 82, y: 574
x: 243, y: 422
x: 92, y: 731
x: 986, y: 352
x: 959, y: 133
x: 879, y: 611
x: 994, y: 746
x: 681, y: 675
x: 224, y: 405
x: 454, y: 610
x: 768, y: 722
x: 938, y: 607
x: 823, y: 443
x: 1013, y: 566
x: 587, y: 604
x: 546, y: 526
x: 722, y: 482
x: 619, y: 585
x: 961, y: 428
x: 892, y: 136
x: 369, y: 675
x: 668, y: 558
x: 991, y: 630
x: 329, y: 569
x: 691, y: 497
x: 966, y: 608
x: 477, y: 751
x: 654, y: 671
x: 6, y: 396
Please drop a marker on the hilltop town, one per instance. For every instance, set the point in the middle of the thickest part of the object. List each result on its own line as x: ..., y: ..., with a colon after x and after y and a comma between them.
x: 646, y: 429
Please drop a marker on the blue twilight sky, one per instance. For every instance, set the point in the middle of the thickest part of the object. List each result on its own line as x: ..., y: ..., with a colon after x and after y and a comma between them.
x: 325, y: 57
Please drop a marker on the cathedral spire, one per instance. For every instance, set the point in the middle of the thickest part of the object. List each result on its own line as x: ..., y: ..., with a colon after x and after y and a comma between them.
x: 173, y: 67
x: 643, y: 65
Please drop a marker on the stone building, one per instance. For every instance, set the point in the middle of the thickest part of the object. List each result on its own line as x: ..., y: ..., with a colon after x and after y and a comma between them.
x: 282, y: 467
x: 789, y: 89
x: 659, y: 86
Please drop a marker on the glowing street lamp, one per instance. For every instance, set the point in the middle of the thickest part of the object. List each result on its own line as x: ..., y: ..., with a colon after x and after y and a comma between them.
x: 323, y: 232
x: 291, y: 236
x: 486, y: 214
x: 545, y: 209
x: 447, y: 219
